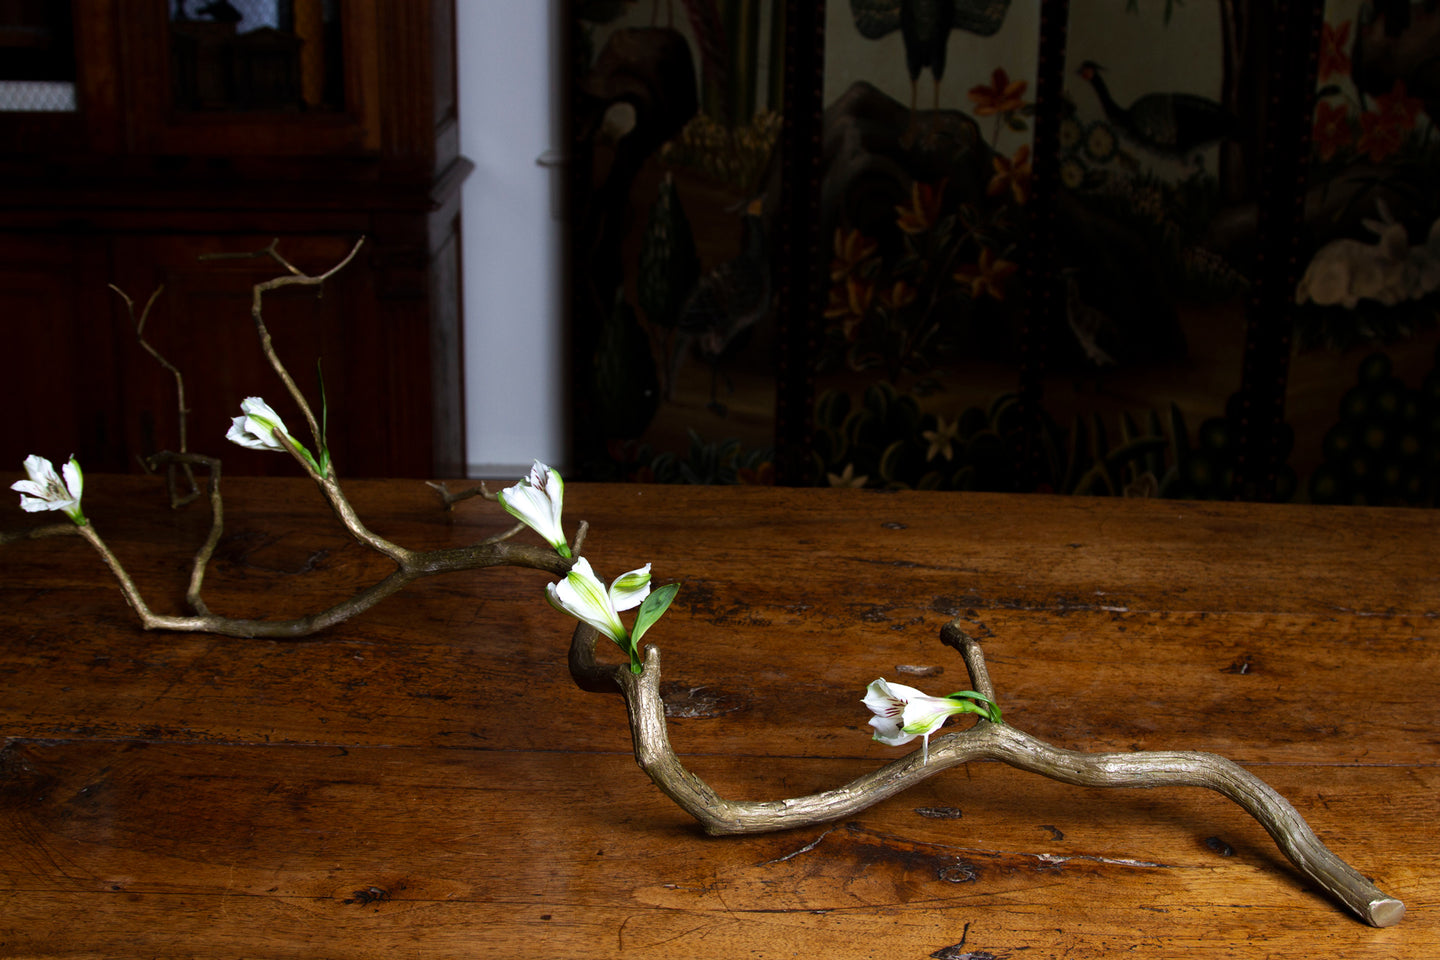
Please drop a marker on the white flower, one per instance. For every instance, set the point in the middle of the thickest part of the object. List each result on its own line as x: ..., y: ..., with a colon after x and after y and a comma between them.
x: 903, y: 713
x: 260, y: 428
x: 257, y: 427
x: 44, y: 491
x: 582, y: 594
x: 536, y: 501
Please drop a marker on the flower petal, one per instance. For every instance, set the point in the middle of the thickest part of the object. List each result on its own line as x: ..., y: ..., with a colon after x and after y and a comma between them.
x: 257, y: 426
x: 629, y: 589
x: 927, y: 716
x: 882, y: 700
x: 537, y: 502
x: 239, y: 434
x: 74, y: 478
x: 888, y: 732
x: 903, y: 713
x: 41, y: 471
x: 582, y: 595
x: 45, y: 491
x: 894, y: 691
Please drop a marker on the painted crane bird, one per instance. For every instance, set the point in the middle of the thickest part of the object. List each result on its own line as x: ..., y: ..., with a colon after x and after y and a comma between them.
x: 1173, y: 125
x: 726, y: 303
x: 925, y: 27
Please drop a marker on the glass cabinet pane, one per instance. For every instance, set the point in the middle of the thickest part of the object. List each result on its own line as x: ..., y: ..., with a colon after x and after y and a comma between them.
x: 256, y: 55
x: 37, y: 57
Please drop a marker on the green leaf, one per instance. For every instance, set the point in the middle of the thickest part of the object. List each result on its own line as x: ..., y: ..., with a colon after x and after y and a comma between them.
x: 651, y: 610
x: 986, y: 708
x: 324, y: 406
x: 324, y: 467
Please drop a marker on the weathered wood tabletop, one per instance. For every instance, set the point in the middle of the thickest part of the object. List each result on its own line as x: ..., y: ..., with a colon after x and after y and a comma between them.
x: 425, y: 780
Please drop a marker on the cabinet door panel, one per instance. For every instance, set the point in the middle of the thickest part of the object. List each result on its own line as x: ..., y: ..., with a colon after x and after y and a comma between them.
x: 60, y: 392
x: 202, y: 324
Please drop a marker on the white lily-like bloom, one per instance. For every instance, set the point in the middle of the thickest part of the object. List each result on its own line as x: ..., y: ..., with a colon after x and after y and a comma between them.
x: 260, y: 428
x: 536, y: 501
x: 257, y: 427
x: 903, y: 713
x: 44, y: 491
x: 582, y: 594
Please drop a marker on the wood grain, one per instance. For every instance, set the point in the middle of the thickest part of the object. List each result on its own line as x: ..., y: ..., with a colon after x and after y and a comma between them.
x: 424, y: 781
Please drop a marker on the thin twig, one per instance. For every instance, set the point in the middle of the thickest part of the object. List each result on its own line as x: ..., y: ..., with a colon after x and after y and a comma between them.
x: 217, y: 522
x: 506, y: 535
x: 988, y: 741
x: 296, y: 278
x: 417, y: 564
x: 39, y: 533
x: 450, y: 499
x: 177, y: 499
x: 410, y: 564
x: 329, y: 486
x: 954, y: 636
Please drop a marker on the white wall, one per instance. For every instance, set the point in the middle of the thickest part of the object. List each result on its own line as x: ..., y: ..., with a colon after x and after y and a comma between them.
x: 511, y: 239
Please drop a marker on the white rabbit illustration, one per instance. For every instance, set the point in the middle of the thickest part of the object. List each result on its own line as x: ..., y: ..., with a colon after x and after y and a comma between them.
x: 1346, y: 271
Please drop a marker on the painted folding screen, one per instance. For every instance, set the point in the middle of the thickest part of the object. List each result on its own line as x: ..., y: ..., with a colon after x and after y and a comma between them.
x: 1124, y: 248
x: 926, y: 184
x: 1363, y: 390
x: 675, y: 210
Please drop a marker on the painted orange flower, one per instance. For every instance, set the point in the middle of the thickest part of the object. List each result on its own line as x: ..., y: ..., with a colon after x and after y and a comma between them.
x: 1398, y: 107
x: 987, y: 275
x: 899, y: 296
x: 761, y: 476
x: 1003, y: 95
x: 1380, y: 136
x: 848, y: 303
x: 852, y: 248
x: 1332, y: 129
x: 924, y: 208
x: 1334, y: 50
x: 1013, y: 174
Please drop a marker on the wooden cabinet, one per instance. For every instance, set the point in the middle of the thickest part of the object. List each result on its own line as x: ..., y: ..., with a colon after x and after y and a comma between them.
x: 156, y: 171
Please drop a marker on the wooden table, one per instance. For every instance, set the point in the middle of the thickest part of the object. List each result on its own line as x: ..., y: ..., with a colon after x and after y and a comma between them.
x: 425, y: 781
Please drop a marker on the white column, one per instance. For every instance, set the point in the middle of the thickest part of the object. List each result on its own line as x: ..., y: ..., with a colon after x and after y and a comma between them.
x: 515, y: 395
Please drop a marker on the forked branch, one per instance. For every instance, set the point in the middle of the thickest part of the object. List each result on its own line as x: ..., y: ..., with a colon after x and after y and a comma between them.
x: 410, y: 565
x: 984, y: 741
x: 177, y: 499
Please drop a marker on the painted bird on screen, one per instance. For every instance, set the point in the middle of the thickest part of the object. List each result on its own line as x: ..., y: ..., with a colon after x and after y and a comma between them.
x: 1175, y: 125
x: 925, y: 27
x: 726, y: 303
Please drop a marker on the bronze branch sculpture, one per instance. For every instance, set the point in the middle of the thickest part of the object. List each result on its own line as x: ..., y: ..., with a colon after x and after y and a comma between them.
x: 410, y: 565
x: 984, y: 741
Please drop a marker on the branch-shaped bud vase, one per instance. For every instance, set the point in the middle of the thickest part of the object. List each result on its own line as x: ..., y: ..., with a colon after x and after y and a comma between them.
x: 984, y: 741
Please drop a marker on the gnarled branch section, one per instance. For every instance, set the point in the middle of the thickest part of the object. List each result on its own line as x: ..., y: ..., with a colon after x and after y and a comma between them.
x: 177, y: 499
x: 410, y: 565
x: 984, y: 741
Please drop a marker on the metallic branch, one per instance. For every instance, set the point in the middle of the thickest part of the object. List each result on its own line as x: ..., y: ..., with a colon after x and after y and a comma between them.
x: 177, y: 499
x: 410, y: 565
x: 984, y: 741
